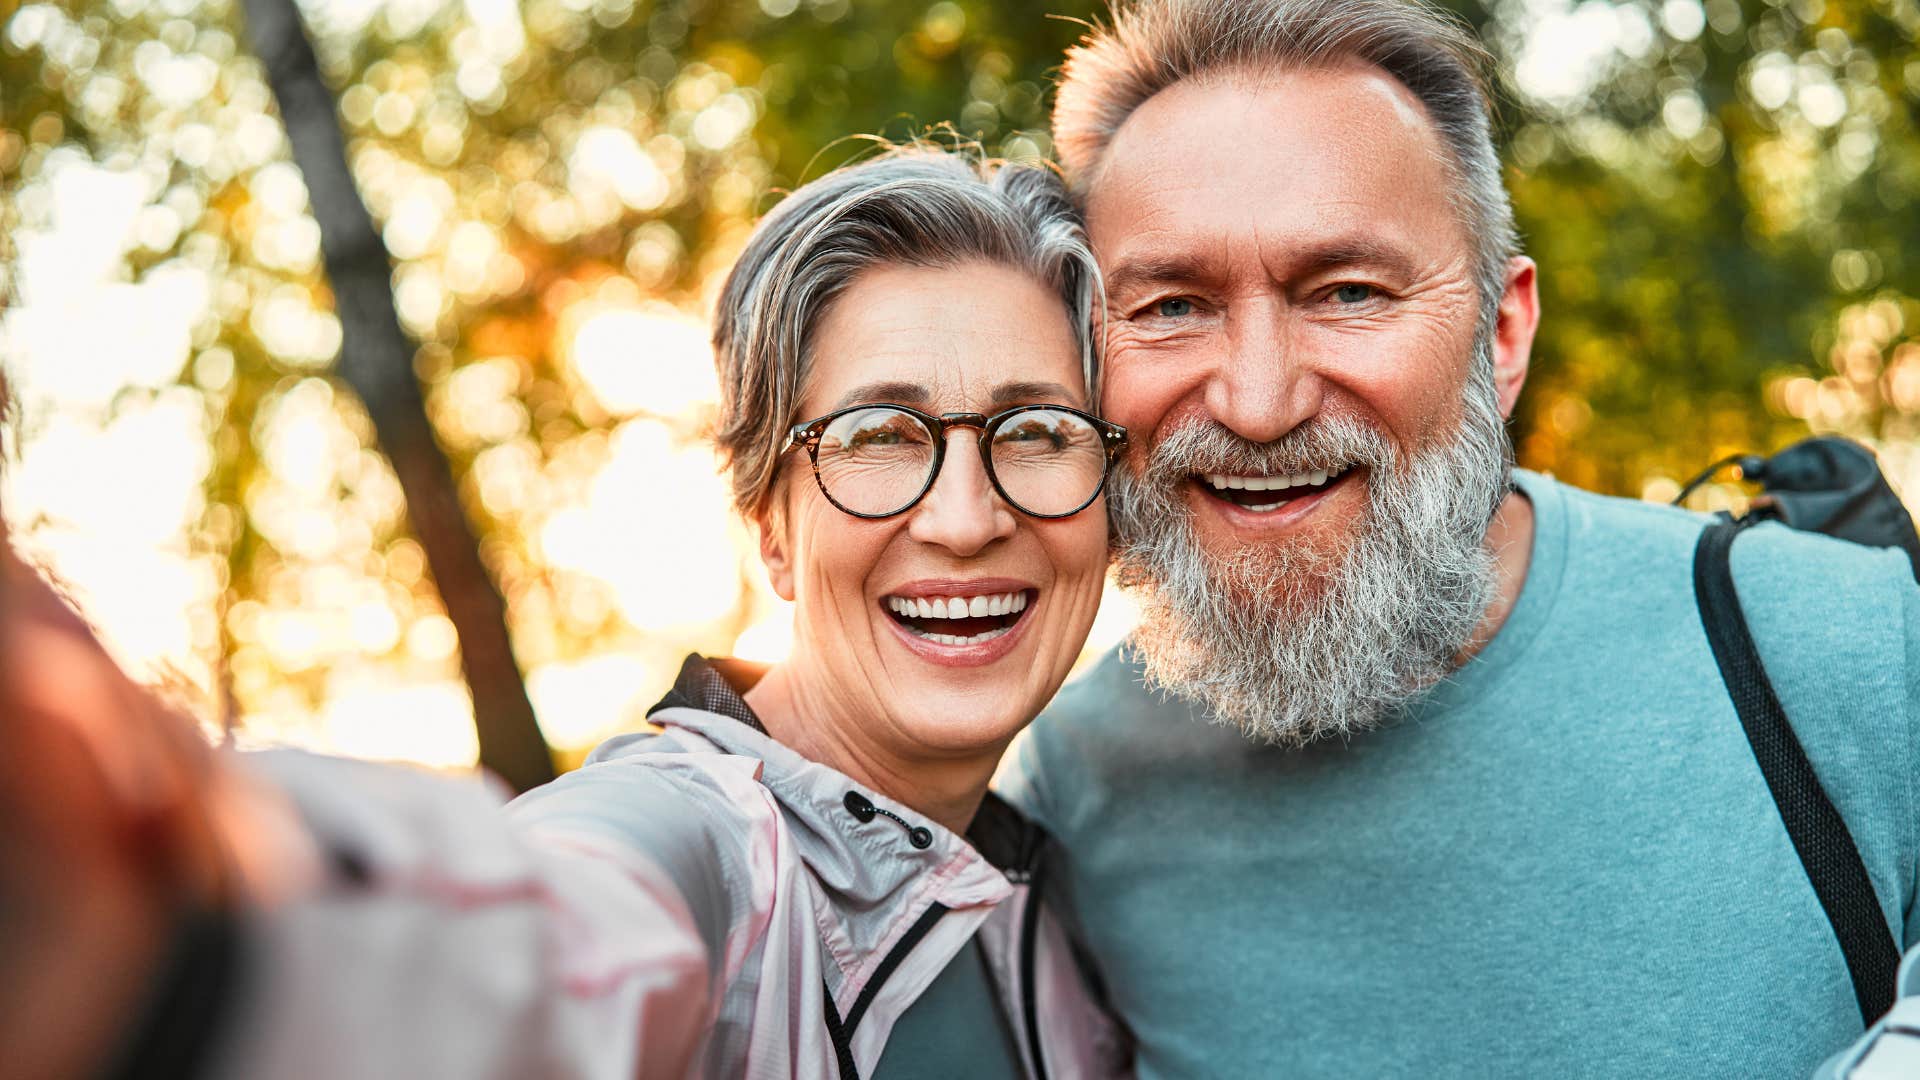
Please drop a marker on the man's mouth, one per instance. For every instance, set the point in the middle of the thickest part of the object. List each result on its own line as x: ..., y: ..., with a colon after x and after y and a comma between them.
x: 952, y: 619
x: 1262, y: 494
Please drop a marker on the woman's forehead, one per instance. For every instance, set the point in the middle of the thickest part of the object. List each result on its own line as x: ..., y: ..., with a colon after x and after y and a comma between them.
x: 958, y: 392
x: 968, y: 335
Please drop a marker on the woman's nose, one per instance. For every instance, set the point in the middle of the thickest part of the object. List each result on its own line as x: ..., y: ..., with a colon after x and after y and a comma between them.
x: 962, y: 512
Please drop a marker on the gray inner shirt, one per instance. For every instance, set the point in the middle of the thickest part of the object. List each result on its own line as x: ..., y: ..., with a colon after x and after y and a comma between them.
x: 956, y: 1031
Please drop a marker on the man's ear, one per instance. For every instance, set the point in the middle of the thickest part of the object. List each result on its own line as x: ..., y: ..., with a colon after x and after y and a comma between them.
x: 774, y: 551
x: 1513, y: 331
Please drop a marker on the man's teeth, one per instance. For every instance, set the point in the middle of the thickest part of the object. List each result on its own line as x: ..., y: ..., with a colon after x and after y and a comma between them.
x: 957, y: 607
x: 1222, y: 481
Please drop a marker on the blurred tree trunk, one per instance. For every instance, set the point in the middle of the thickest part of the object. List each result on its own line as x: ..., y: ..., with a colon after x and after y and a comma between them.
x: 376, y: 360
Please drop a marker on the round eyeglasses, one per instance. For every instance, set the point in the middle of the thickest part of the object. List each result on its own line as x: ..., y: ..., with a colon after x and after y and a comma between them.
x: 875, y: 461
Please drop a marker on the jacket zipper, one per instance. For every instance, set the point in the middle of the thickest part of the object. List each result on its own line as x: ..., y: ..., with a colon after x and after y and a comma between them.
x: 1029, y: 996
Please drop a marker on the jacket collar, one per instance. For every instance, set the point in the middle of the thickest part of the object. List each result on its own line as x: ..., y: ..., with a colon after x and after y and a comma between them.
x: 715, y: 685
x: 1000, y: 834
x: 860, y: 846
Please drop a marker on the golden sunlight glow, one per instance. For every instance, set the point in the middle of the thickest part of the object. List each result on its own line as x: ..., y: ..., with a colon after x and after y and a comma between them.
x: 1118, y: 615
x: 657, y: 528
x: 582, y: 702
x: 429, y: 723
x: 651, y: 359
x: 769, y: 640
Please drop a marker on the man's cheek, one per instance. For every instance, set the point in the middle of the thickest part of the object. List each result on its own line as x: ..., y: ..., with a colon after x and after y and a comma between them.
x: 1138, y: 389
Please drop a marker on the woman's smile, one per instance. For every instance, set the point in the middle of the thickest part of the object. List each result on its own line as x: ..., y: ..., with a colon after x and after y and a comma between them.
x: 960, y: 623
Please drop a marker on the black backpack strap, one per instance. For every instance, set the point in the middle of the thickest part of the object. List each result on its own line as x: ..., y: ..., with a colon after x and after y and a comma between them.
x: 1819, y: 835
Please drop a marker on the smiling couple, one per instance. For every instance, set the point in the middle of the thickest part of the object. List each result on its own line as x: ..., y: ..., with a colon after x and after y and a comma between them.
x: 1416, y: 765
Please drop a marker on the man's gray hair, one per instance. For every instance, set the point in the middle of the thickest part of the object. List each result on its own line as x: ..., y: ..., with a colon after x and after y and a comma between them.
x: 1152, y: 44
x: 913, y: 206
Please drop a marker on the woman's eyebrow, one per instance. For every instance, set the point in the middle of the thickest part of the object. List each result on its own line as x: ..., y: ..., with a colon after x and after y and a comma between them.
x: 900, y: 393
x: 1023, y: 393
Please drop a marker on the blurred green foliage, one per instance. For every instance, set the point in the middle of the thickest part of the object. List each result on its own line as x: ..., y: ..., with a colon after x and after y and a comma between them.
x: 1724, y: 199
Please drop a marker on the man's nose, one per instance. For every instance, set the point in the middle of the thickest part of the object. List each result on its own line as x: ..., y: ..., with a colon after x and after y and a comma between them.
x: 962, y: 512
x: 1262, y: 387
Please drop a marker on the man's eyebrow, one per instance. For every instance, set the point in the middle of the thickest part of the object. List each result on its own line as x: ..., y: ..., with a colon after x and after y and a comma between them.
x: 1334, y: 254
x: 1352, y: 251
x: 1032, y: 393
x: 897, y: 392
x: 1157, y: 269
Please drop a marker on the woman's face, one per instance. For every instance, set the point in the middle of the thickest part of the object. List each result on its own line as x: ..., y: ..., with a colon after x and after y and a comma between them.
x: 969, y: 338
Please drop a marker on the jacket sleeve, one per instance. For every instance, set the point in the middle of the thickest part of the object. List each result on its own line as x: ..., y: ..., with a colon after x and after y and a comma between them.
x: 1891, y: 1047
x: 449, y: 939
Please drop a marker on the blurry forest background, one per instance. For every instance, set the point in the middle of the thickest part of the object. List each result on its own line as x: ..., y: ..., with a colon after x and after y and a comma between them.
x: 1724, y: 198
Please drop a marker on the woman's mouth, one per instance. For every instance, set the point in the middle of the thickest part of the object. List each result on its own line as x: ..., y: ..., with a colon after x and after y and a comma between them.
x: 959, y: 619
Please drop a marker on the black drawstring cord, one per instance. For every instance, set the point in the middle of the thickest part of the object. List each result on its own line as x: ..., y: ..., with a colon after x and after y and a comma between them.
x: 1752, y: 467
x: 862, y: 807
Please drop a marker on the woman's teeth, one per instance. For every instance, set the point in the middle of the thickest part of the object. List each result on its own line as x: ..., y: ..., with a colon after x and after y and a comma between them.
x: 917, y: 612
x: 958, y: 607
x: 956, y: 639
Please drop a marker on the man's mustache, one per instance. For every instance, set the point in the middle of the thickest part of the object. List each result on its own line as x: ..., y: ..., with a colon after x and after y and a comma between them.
x: 1327, y: 442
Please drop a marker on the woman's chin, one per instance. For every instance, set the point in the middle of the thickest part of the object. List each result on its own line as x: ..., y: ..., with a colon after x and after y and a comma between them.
x: 953, y: 725
x: 967, y: 696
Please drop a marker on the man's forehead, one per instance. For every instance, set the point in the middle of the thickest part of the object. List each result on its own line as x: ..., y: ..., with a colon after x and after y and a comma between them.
x: 1252, y: 141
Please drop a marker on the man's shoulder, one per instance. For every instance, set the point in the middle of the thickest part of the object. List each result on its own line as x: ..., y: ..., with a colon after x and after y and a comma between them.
x: 1834, y: 621
x: 1772, y: 559
x: 1105, y: 717
x: 1113, y: 683
x: 1826, y: 612
x: 1103, y: 709
x: 1617, y: 522
x: 1112, y: 711
x: 1773, y: 564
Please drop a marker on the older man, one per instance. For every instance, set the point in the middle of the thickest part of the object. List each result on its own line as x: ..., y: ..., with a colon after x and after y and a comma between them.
x: 1448, y: 782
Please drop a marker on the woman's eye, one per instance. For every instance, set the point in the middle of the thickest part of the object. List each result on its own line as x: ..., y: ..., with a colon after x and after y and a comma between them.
x: 1354, y: 294
x: 1173, y: 308
x: 1030, y: 432
x: 881, y: 436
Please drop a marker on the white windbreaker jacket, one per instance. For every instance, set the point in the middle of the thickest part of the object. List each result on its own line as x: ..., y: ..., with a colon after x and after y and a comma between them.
x: 695, y: 901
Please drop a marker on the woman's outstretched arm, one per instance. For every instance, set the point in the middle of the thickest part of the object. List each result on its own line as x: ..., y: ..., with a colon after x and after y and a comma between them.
x: 163, y: 904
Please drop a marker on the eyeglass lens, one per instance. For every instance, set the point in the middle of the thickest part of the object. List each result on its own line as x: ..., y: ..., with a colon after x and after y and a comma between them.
x: 878, y: 460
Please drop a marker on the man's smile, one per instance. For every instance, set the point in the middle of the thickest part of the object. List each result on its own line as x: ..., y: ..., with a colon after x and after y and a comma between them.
x: 1266, y: 502
x: 1266, y: 493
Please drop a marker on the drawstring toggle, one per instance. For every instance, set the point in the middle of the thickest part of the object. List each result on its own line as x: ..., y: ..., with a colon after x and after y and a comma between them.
x: 862, y: 807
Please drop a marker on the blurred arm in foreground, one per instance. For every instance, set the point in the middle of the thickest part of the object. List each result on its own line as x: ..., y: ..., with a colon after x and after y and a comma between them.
x: 167, y: 909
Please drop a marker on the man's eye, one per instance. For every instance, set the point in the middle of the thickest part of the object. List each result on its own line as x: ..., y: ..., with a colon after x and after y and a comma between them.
x: 1173, y: 307
x: 1354, y: 294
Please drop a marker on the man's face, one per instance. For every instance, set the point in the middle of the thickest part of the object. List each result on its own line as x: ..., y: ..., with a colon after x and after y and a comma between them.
x: 1280, y: 248
x: 1293, y: 339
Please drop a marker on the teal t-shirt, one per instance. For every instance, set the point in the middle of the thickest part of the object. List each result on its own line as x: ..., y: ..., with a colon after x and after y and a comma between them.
x: 1563, y: 861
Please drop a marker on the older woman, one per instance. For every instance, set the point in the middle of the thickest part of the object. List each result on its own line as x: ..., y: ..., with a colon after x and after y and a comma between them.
x: 801, y: 871
x: 907, y: 367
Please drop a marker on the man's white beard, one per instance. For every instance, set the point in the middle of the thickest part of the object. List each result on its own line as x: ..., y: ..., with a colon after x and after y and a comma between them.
x: 1292, y: 644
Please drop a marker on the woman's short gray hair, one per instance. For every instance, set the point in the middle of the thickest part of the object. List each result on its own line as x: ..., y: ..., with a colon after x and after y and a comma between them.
x: 1152, y: 44
x: 913, y: 206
